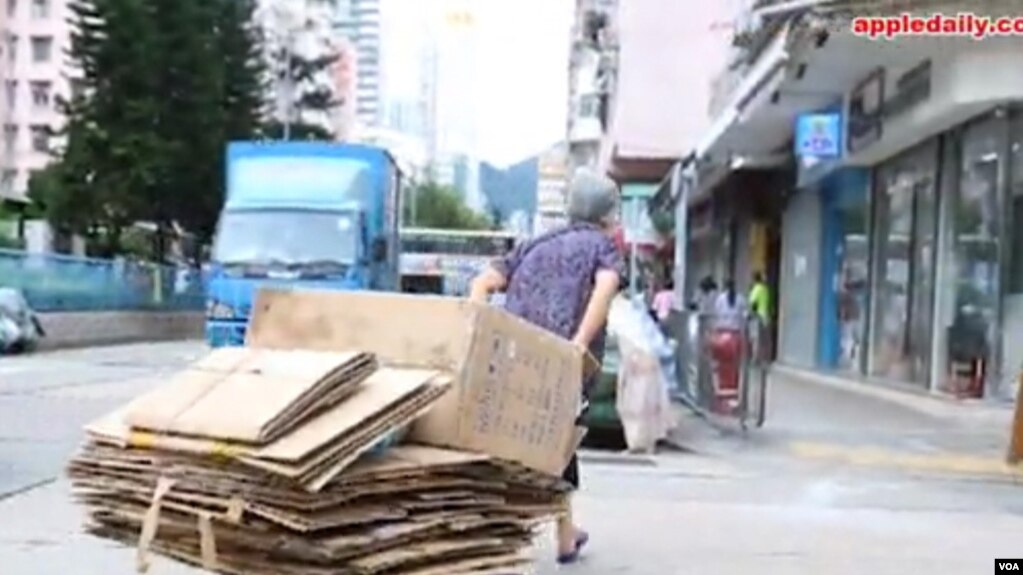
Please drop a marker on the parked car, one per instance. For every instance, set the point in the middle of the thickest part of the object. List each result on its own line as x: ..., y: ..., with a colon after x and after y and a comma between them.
x: 603, y: 413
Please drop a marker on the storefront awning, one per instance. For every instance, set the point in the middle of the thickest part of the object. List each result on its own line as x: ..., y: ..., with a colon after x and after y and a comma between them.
x: 765, y: 75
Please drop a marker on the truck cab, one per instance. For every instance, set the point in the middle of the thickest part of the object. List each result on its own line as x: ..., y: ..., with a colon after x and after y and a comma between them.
x: 301, y: 215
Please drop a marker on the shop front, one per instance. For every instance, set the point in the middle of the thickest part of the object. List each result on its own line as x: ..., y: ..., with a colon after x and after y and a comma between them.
x: 916, y: 263
x: 845, y: 270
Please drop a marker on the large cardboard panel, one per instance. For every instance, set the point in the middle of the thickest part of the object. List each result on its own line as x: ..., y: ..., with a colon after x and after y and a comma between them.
x: 420, y: 331
x: 520, y: 396
x: 518, y: 386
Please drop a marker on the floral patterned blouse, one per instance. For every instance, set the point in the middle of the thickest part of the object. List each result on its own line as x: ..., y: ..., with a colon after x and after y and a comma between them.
x: 550, y: 278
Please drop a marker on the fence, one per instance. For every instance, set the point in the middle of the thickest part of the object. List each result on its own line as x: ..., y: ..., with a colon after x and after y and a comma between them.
x: 60, y: 283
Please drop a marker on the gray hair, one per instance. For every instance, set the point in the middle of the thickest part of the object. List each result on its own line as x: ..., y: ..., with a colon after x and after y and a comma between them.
x: 592, y: 197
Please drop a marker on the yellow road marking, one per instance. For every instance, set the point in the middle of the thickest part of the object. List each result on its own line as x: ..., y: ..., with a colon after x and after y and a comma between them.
x: 942, y: 462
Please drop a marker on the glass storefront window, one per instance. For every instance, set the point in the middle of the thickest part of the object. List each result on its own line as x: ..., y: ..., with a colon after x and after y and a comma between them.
x: 1012, y: 313
x: 905, y: 227
x: 975, y: 223
x: 1015, y: 279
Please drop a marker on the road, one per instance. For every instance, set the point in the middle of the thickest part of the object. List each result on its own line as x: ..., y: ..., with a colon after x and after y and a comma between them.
x: 837, y: 483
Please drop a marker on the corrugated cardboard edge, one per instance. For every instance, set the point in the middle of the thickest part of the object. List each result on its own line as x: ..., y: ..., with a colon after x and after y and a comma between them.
x: 444, y: 414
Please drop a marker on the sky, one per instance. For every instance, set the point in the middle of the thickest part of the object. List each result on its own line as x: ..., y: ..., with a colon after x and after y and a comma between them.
x: 521, y: 78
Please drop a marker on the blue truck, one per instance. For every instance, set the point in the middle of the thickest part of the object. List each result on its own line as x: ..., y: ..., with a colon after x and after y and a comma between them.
x: 301, y: 215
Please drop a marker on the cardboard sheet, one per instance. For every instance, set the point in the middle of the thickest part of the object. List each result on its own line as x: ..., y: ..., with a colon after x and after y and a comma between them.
x: 249, y: 396
x: 316, y: 451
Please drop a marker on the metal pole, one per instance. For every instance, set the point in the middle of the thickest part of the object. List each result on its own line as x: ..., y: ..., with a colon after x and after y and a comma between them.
x: 680, y: 189
x: 413, y: 198
x: 289, y: 80
x: 633, y: 263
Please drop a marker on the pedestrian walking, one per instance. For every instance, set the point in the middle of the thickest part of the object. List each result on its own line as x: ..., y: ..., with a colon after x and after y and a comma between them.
x: 760, y: 306
x: 564, y: 281
x: 760, y: 298
x: 704, y: 301
x: 663, y: 301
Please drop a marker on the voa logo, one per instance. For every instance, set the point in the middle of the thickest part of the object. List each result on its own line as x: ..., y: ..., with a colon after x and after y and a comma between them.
x: 1005, y: 566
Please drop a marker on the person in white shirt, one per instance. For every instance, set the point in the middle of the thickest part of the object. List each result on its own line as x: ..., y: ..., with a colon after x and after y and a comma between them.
x: 729, y: 308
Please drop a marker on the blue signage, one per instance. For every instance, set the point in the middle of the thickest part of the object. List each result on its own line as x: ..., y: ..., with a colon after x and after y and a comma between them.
x: 819, y: 136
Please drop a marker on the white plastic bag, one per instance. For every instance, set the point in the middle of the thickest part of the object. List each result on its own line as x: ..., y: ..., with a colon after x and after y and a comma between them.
x: 642, y: 393
x: 642, y: 400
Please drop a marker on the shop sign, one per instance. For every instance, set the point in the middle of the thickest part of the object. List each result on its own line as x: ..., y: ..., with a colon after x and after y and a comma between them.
x: 819, y: 136
x: 865, y: 112
x: 911, y: 89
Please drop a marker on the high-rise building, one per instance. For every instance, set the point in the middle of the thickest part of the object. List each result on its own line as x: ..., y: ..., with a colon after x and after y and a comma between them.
x: 591, y: 69
x: 551, y: 186
x: 450, y: 95
x: 359, y: 20
x: 34, y: 76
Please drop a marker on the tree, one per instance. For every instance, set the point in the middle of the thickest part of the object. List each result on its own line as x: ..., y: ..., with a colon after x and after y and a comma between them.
x: 439, y: 206
x: 110, y: 162
x: 165, y: 84
x: 214, y: 69
x: 301, y: 55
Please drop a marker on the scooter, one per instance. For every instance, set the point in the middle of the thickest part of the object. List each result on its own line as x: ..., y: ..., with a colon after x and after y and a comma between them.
x: 20, y: 328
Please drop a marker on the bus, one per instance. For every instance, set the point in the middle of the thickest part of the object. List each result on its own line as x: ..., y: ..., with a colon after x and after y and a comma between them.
x: 445, y: 261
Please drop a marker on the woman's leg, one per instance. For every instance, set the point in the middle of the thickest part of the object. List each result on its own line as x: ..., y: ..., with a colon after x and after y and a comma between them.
x: 567, y: 533
x: 566, y: 529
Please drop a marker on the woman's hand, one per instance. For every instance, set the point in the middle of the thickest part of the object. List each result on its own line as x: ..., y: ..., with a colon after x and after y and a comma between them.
x: 486, y: 283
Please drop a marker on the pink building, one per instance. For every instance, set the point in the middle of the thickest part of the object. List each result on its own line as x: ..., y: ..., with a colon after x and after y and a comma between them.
x: 34, y: 73
x: 668, y: 54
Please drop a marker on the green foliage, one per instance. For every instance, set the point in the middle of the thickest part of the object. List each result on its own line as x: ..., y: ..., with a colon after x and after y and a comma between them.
x: 166, y: 83
x: 299, y: 72
x: 437, y: 206
x: 9, y: 243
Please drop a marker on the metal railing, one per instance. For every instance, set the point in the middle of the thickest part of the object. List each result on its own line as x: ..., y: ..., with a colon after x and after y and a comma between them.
x: 61, y: 283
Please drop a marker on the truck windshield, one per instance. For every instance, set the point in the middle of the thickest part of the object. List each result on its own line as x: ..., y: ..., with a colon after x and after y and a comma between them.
x: 291, y: 238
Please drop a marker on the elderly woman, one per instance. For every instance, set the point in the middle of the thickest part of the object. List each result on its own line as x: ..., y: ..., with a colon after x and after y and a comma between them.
x: 564, y: 281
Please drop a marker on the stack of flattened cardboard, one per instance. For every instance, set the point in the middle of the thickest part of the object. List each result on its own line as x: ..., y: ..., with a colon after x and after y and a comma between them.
x: 260, y: 460
x: 410, y: 510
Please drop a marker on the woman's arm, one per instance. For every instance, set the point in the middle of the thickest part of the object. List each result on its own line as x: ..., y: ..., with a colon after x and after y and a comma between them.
x: 495, y: 278
x: 605, y: 288
x: 487, y: 283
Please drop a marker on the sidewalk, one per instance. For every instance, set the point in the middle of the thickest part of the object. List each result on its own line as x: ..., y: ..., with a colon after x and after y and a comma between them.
x: 919, y: 400
x: 830, y: 420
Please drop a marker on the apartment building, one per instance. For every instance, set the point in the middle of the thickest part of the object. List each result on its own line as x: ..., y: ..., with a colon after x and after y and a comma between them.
x: 34, y: 75
x: 591, y: 70
x: 359, y: 21
x: 551, y: 187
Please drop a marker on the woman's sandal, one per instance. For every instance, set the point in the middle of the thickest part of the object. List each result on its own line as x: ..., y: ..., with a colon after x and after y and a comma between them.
x: 581, y: 539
